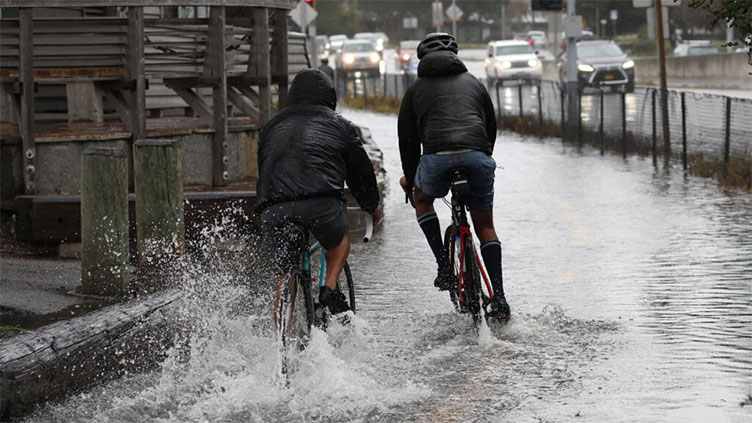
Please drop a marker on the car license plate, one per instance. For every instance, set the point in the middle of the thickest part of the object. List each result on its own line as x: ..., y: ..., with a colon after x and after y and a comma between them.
x: 609, y: 77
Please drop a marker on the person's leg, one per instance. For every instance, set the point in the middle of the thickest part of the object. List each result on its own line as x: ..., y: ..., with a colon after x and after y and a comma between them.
x: 335, y: 260
x: 490, y: 248
x: 429, y: 224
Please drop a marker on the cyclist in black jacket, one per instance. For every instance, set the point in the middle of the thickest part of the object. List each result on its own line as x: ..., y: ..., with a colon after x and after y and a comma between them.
x: 450, y: 114
x: 306, y: 153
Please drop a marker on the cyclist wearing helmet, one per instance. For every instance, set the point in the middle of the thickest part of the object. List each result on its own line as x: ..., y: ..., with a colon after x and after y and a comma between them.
x: 450, y: 114
x: 306, y: 153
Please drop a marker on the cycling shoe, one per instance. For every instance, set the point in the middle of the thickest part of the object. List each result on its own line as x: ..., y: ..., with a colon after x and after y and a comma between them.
x: 334, y: 300
x: 500, y: 311
x: 444, y: 280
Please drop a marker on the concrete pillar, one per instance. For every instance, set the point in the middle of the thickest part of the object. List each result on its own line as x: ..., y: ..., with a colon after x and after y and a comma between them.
x: 84, y: 102
x: 104, y: 222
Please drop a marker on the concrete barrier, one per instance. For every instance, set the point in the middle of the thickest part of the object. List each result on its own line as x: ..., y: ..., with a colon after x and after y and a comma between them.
x: 724, y: 70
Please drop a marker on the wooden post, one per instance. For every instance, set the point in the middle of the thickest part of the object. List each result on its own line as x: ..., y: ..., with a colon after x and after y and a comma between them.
x: 135, y: 71
x: 216, y: 67
x: 104, y: 222
x: 160, y: 228
x: 600, y: 129
x: 540, y: 109
x: 498, y: 102
x: 26, y: 75
x: 519, y: 98
x: 259, y: 62
x: 655, y: 130
x: 727, y: 141
x: 624, y: 124
x: 280, y: 59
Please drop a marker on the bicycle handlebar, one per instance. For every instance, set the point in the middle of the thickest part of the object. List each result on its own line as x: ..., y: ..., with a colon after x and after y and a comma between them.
x: 369, y: 222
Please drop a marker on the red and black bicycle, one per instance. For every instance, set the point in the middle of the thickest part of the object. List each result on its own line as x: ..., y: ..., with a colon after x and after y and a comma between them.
x: 466, y: 291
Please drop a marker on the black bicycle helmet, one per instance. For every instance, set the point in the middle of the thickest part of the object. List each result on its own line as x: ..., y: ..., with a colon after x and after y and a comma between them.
x: 437, y: 41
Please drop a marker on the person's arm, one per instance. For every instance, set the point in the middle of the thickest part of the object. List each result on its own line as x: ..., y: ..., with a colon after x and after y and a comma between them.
x: 489, y: 116
x: 409, y: 138
x: 360, y: 176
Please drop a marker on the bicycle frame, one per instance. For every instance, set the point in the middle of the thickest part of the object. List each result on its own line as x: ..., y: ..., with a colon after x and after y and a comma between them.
x: 462, y: 234
x: 306, y: 262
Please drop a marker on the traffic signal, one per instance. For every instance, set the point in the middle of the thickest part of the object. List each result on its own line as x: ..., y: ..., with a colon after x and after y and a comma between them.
x: 311, y: 3
x: 547, y: 4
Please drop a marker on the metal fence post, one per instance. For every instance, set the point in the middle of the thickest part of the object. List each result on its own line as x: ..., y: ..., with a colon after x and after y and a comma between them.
x: 727, y: 144
x: 684, y: 131
x: 519, y: 98
x: 365, y: 90
x: 498, y: 101
x: 561, y: 94
x: 655, y: 130
x: 540, y: 110
x: 579, y: 119
x: 384, y: 84
x: 624, y: 124
x: 600, y: 130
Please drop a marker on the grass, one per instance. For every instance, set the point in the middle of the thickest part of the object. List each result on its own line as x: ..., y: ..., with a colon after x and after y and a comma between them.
x: 738, y: 172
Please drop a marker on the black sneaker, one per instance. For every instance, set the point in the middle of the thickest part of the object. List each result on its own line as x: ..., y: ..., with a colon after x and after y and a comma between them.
x: 445, y: 279
x: 500, y: 311
x: 334, y: 300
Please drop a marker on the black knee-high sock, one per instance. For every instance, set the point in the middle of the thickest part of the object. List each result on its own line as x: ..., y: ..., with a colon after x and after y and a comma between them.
x: 491, y: 252
x: 429, y: 223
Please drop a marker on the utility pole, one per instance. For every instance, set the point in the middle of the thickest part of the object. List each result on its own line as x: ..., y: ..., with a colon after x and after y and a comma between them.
x: 503, y: 18
x: 454, y: 21
x: 573, y: 29
x: 664, y: 90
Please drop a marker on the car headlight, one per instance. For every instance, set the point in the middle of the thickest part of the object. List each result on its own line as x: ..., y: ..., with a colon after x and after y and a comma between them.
x: 349, y: 59
x: 375, y: 58
x: 629, y: 64
x: 505, y: 65
x: 406, y: 57
x: 583, y: 67
x: 532, y: 63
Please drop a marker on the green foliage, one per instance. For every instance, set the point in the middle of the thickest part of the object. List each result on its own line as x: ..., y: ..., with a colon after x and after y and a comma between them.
x: 738, y: 13
x: 338, y: 17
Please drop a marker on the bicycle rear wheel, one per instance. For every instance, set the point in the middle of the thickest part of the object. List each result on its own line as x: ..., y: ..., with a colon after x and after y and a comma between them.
x: 471, y: 290
x: 295, y: 315
x: 453, y: 252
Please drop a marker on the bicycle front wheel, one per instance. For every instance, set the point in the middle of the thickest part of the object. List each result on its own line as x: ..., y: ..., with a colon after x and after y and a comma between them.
x: 471, y: 290
x: 294, y: 315
x: 346, y: 287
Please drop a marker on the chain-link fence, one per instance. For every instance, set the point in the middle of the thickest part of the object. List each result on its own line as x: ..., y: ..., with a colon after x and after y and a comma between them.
x: 715, y: 126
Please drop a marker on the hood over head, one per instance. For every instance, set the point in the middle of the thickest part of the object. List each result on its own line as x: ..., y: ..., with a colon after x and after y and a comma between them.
x: 440, y: 63
x: 312, y: 87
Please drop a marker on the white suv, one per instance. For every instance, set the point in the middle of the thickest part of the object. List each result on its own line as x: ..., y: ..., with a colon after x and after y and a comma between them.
x: 512, y: 60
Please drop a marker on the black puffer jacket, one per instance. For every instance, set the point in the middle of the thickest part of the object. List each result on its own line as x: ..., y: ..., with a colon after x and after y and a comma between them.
x: 447, y: 108
x: 308, y: 151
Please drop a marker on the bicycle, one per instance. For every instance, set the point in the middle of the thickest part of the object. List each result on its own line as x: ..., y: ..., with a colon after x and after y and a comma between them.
x: 466, y: 292
x: 294, y: 322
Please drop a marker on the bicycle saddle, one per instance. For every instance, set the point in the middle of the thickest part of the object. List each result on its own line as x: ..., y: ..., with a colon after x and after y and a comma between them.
x: 459, y: 184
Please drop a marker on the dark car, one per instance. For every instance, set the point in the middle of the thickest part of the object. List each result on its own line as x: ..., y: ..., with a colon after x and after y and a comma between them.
x: 600, y: 64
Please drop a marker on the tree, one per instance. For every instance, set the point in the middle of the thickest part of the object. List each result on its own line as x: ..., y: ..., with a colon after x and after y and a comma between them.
x: 736, y: 13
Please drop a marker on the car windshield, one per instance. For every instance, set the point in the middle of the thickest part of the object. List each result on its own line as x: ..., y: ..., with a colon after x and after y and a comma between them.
x: 518, y: 49
x: 589, y: 51
x: 409, y: 45
x: 364, y: 46
x: 697, y: 50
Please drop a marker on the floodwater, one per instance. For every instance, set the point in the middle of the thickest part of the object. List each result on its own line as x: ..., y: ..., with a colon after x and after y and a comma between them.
x: 631, y: 290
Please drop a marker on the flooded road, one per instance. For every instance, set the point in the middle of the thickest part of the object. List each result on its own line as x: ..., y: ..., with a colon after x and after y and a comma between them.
x: 631, y: 291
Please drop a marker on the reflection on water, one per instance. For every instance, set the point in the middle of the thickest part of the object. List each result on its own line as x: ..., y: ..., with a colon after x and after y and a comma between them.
x: 631, y: 291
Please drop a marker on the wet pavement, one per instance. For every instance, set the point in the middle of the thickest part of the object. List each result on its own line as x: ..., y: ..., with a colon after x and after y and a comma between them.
x: 631, y: 289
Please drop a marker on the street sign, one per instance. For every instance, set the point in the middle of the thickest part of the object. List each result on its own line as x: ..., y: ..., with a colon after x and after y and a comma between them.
x: 649, y: 3
x: 573, y: 26
x: 437, y: 14
x: 651, y: 22
x: 454, y: 13
x: 614, y: 14
x: 410, y: 23
x: 303, y: 14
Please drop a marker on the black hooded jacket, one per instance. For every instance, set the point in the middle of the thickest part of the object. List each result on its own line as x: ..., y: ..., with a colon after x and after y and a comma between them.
x: 447, y: 108
x: 308, y: 151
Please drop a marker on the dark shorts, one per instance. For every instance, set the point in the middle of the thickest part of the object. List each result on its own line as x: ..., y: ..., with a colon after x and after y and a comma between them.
x: 286, y: 226
x: 433, y: 177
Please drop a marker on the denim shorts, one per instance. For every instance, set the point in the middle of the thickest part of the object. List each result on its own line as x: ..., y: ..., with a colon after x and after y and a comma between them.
x: 433, y: 177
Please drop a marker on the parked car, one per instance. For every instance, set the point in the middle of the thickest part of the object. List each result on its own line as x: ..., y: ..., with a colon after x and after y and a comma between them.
x: 600, y: 63
x: 695, y: 48
x: 405, y: 50
x: 336, y: 41
x: 512, y: 59
x: 359, y: 56
x: 540, y: 41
